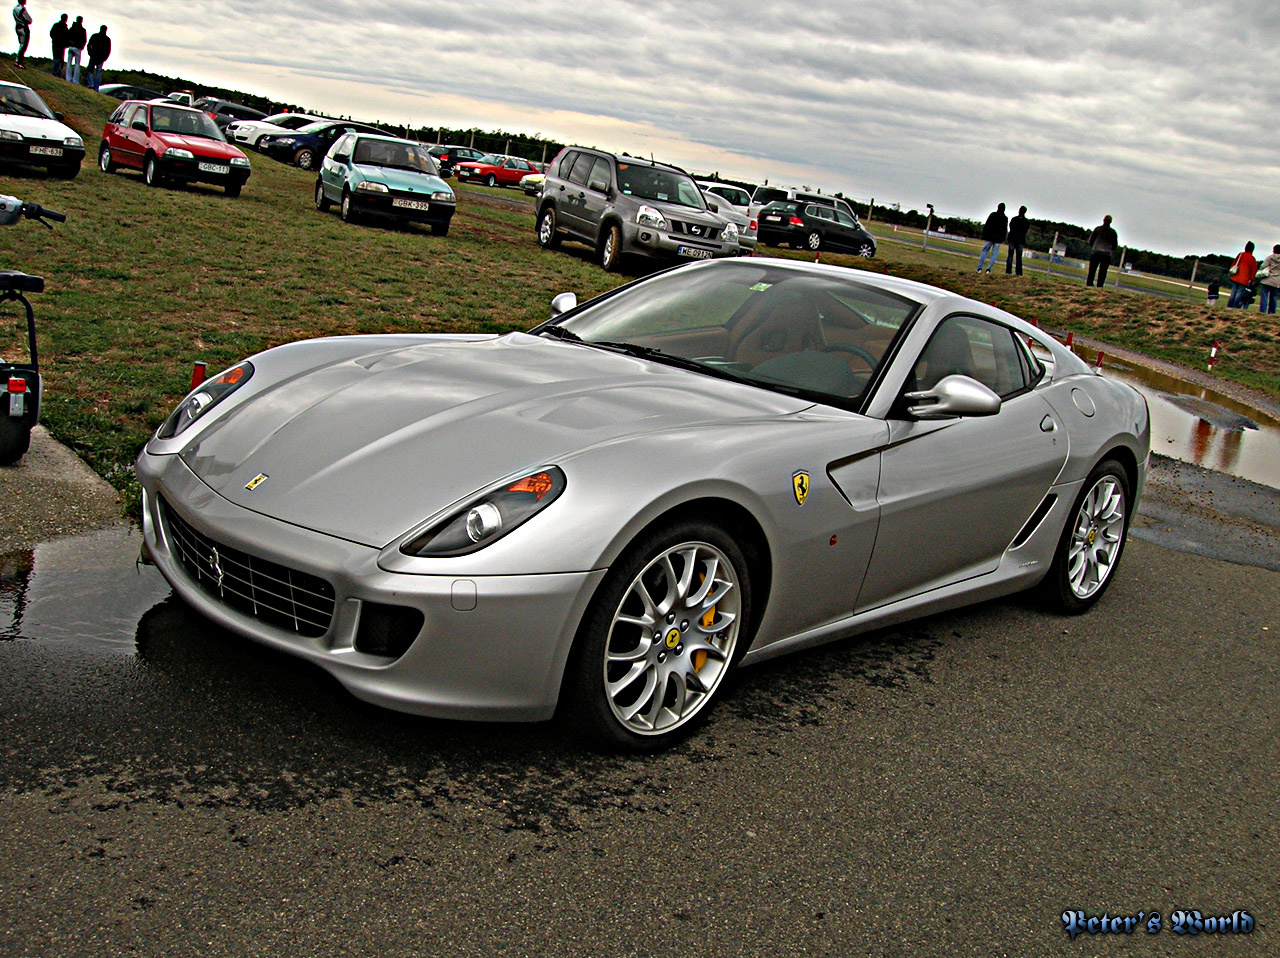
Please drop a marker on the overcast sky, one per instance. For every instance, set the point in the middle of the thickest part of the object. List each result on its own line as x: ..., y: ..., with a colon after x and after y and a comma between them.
x: 1155, y: 112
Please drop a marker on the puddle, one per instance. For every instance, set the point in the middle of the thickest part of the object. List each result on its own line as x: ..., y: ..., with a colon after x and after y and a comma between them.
x: 1198, y: 425
x: 85, y: 590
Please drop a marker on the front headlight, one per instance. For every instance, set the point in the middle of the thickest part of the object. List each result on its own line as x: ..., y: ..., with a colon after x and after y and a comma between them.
x: 10, y: 135
x: 730, y: 231
x: 179, y: 154
x: 443, y: 196
x: 239, y: 161
x: 203, y: 398
x: 74, y: 141
x: 284, y: 141
x: 489, y: 516
x: 648, y: 216
x: 368, y: 186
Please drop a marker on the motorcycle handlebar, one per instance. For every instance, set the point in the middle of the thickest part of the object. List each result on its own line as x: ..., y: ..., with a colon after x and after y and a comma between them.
x: 34, y: 211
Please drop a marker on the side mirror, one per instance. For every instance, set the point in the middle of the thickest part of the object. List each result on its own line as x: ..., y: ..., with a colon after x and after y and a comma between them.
x: 951, y: 397
x: 57, y: 115
x: 561, y: 303
x: 340, y: 158
x: 600, y: 186
x: 140, y: 125
x: 714, y: 208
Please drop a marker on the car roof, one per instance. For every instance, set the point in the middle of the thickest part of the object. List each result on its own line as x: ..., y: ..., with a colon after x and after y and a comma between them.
x: 170, y: 103
x: 382, y: 137
x: 20, y: 86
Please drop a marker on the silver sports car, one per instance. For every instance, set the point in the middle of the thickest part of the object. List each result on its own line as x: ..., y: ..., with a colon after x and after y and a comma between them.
x: 604, y: 516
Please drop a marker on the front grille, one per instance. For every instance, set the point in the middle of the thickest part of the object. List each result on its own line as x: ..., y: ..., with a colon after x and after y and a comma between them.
x: 273, y: 594
x: 695, y: 229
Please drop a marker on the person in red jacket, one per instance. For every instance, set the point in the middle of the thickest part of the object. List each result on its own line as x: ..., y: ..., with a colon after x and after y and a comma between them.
x: 1242, y: 274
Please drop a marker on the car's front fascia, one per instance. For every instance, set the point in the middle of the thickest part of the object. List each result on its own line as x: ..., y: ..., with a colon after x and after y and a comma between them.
x: 198, y: 159
x: 38, y: 141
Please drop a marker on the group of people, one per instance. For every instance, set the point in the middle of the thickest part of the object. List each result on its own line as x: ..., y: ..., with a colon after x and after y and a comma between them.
x: 1247, y: 274
x: 70, y: 41
x: 999, y: 229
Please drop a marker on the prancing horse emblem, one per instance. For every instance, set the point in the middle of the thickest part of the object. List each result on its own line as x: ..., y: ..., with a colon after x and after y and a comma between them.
x: 256, y: 481
x: 215, y: 563
x: 800, y: 486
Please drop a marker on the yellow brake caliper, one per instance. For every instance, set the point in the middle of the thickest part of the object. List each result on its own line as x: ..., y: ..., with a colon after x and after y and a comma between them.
x: 700, y: 656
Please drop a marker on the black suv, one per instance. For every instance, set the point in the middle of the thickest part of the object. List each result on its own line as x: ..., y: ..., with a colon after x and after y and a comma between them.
x: 620, y: 205
x: 814, y: 226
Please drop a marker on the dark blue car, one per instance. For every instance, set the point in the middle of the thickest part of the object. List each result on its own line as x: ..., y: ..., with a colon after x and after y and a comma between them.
x: 307, y: 146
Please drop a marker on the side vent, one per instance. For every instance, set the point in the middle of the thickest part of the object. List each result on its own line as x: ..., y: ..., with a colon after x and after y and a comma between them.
x: 1033, y: 523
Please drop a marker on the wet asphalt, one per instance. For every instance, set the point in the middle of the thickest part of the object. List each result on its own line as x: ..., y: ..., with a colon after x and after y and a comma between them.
x: 949, y: 787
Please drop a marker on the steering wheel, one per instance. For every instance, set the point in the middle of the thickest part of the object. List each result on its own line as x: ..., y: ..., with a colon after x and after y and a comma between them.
x: 858, y: 351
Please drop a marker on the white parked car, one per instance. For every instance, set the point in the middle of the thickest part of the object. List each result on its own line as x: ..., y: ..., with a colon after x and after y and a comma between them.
x: 739, y: 198
x: 738, y: 217
x: 248, y: 132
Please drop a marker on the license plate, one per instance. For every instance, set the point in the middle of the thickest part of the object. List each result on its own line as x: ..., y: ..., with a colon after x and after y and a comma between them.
x: 411, y: 204
x: 693, y: 252
x: 17, y: 404
x: 46, y: 151
x: 773, y: 219
x: 214, y: 168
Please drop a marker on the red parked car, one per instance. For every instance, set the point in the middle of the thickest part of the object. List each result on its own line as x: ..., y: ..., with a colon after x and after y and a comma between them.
x: 168, y: 142
x: 493, y: 170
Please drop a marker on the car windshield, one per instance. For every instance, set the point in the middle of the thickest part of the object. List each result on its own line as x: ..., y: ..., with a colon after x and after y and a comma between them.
x: 166, y: 119
x: 822, y: 337
x: 19, y: 101
x: 653, y: 183
x: 396, y: 155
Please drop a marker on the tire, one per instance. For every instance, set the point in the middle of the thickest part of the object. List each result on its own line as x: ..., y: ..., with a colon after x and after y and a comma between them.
x: 233, y: 189
x: 439, y: 229
x: 151, y: 172
x: 322, y: 202
x: 15, y: 440
x: 105, y: 161
x: 813, y: 241
x: 347, y: 208
x: 866, y: 250
x: 611, y: 248
x: 490, y: 180
x: 548, y: 236
x: 1092, y: 542
x: 643, y: 673
x: 305, y: 158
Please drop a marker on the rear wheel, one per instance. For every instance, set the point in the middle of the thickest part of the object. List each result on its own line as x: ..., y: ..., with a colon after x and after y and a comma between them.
x: 105, y: 161
x: 322, y: 201
x: 15, y: 439
x: 813, y: 241
x: 548, y: 235
x: 664, y: 630
x: 1092, y: 542
x: 305, y: 158
x: 611, y: 248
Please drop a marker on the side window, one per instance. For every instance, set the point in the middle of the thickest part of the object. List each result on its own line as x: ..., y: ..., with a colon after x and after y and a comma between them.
x: 977, y: 348
x: 342, y: 149
x: 844, y: 219
x: 600, y: 173
x: 582, y: 164
x: 134, y: 112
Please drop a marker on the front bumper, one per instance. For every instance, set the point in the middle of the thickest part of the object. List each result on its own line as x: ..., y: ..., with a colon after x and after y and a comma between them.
x: 491, y: 647
x: 190, y: 171
x: 52, y: 155
x: 664, y: 244
x: 437, y: 213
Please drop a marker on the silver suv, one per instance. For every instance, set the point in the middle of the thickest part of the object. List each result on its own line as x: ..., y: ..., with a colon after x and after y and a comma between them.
x: 621, y: 205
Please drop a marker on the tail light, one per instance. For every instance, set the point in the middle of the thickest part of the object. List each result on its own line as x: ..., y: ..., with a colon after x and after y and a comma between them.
x: 754, y: 227
x: 796, y: 221
x: 17, y: 385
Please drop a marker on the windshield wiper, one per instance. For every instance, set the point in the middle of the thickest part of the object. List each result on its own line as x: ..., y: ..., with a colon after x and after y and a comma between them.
x: 559, y: 332
x: 670, y: 359
x: 14, y: 107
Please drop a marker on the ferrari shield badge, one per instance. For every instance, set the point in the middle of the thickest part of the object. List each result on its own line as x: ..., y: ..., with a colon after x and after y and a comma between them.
x: 256, y: 481
x: 800, y: 486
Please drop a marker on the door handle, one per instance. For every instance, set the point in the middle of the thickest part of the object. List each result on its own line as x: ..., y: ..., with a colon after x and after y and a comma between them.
x: 1047, y: 424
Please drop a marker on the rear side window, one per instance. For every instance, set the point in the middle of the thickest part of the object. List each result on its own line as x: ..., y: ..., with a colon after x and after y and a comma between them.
x: 581, y: 169
x: 767, y: 194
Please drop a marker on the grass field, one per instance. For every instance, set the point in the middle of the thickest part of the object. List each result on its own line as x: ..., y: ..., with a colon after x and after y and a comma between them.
x: 142, y: 282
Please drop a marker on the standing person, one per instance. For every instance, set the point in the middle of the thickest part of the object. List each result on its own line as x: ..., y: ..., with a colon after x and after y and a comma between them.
x: 993, y: 233
x: 1017, y: 239
x: 76, y: 39
x: 99, y: 49
x: 1269, y: 281
x: 22, y: 27
x: 58, y: 36
x: 1103, y: 241
x: 1242, y: 273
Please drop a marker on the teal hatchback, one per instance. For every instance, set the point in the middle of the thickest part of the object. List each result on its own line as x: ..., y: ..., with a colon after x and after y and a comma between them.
x: 382, y: 176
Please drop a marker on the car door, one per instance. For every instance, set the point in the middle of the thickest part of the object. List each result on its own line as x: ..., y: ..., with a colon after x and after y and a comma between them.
x: 333, y: 168
x: 132, y: 143
x: 954, y: 493
x: 845, y: 233
x: 571, y: 202
x: 514, y: 170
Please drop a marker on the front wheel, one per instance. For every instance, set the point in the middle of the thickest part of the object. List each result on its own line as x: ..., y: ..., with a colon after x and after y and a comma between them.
x: 664, y: 630
x: 866, y: 250
x: 548, y: 235
x: 611, y: 248
x: 490, y: 180
x: 1092, y: 542
x: 439, y: 229
x: 322, y: 201
x: 233, y: 189
x: 305, y: 158
x: 105, y: 161
x: 347, y: 208
x: 15, y: 440
x: 151, y: 172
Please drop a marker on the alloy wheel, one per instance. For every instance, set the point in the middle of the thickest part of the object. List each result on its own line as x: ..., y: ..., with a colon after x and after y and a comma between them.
x: 1096, y: 538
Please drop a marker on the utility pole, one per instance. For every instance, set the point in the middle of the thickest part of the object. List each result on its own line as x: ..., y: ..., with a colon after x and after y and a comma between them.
x: 1195, y: 267
x: 1123, y: 252
x: 928, y: 225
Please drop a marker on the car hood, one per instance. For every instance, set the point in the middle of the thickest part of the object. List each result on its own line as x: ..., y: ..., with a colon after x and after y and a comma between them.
x: 403, y: 181
x: 369, y: 446
x: 199, y: 145
x: 37, y: 127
